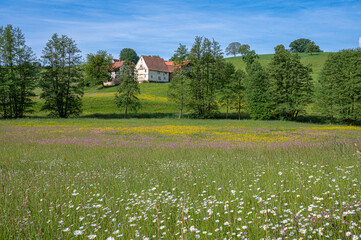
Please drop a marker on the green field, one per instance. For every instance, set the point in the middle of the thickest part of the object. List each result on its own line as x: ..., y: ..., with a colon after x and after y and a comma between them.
x: 172, y: 179
x: 316, y: 61
x: 100, y: 102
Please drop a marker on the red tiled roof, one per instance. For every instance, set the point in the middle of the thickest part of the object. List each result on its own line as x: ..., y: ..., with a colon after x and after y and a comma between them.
x: 171, y: 66
x: 117, y: 64
x: 155, y: 64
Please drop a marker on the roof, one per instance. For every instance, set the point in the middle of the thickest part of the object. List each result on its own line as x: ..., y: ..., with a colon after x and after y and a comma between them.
x: 117, y: 64
x: 155, y: 64
x: 171, y: 66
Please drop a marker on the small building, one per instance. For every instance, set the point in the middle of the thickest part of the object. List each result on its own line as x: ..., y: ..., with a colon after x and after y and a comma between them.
x: 151, y: 69
x: 114, y: 74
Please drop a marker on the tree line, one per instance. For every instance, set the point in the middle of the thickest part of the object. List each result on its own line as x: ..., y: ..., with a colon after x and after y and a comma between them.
x: 281, y: 90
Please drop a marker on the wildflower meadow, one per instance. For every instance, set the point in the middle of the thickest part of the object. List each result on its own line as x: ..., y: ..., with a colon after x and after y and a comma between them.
x: 178, y: 179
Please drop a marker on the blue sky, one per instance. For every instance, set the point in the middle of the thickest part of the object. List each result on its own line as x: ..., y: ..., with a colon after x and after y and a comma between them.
x: 157, y: 27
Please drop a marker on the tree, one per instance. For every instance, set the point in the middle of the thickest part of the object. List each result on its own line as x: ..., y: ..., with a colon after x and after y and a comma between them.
x: 181, y: 52
x: 178, y: 90
x: 128, y: 54
x: 233, y: 48
x: 237, y: 87
x: 257, y: 92
x: 17, y: 73
x: 227, y: 96
x: 243, y: 49
x: 97, y: 67
x: 290, y: 84
x: 61, y: 80
x: 126, y: 96
x: 339, y: 89
x: 299, y: 45
x: 312, y: 47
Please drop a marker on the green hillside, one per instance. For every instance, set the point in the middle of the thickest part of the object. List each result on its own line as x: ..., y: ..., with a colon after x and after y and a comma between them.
x: 316, y: 61
x: 99, y: 102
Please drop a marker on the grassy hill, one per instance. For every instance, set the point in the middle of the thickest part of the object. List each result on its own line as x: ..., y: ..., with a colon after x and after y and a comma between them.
x: 316, y: 61
x: 99, y: 102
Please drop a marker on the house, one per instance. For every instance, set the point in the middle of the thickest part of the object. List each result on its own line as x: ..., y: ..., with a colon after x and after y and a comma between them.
x: 147, y: 69
x: 151, y: 69
x: 154, y: 69
x: 114, y: 74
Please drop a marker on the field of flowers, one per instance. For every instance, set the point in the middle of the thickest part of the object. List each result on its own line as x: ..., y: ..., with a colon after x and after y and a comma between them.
x: 170, y: 179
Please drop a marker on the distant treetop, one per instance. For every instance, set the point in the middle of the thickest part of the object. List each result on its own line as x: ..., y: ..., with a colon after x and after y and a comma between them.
x: 129, y: 55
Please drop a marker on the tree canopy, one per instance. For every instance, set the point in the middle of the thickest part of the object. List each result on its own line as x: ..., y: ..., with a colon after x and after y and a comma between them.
x: 233, y: 48
x: 299, y: 45
x: 339, y: 89
x: 290, y: 84
x: 128, y: 54
x: 312, y: 48
x: 17, y: 73
x: 97, y: 67
x: 181, y: 53
x: 61, y: 80
x: 126, y: 96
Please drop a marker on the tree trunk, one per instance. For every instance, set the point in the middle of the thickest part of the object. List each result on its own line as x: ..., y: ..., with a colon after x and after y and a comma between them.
x: 227, y: 113
x: 239, y: 111
x: 125, y: 112
x: 181, y: 110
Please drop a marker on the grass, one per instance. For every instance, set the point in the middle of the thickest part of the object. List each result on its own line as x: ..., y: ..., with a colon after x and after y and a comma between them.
x: 316, y: 61
x: 171, y: 179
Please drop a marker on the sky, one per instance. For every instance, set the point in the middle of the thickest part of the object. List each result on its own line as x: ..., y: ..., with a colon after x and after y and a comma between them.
x: 157, y: 27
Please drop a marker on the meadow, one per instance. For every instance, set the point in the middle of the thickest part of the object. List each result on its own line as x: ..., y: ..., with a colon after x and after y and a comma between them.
x: 178, y: 179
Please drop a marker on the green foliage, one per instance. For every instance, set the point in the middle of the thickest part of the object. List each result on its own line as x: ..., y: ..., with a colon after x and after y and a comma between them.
x: 180, y: 54
x: 227, y: 95
x: 97, y: 67
x: 178, y: 90
x: 17, y: 74
x: 299, y: 45
x: 233, y: 48
x: 257, y: 92
x: 339, y: 89
x: 126, y: 97
x: 290, y: 84
x: 128, y: 54
x: 61, y: 80
x: 205, y: 76
x: 312, y: 48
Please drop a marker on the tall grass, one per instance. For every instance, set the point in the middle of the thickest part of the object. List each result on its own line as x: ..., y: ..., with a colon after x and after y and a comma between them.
x: 57, y: 181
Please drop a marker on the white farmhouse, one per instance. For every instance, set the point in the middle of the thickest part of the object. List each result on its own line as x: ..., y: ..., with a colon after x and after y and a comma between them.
x: 152, y: 69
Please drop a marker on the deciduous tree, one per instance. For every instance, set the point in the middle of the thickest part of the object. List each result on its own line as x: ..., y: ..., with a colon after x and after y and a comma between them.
x: 17, y: 73
x: 97, y: 67
x: 180, y: 53
x: 339, y: 89
x: 61, y: 80
x: 290, y: 84
x: 257, y: 92
x: 312, y: 48
x: 299, y: 45
x: 128, y: 54
x: 126, y: 96
x: 178, y: 90
x: 233, y: 48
